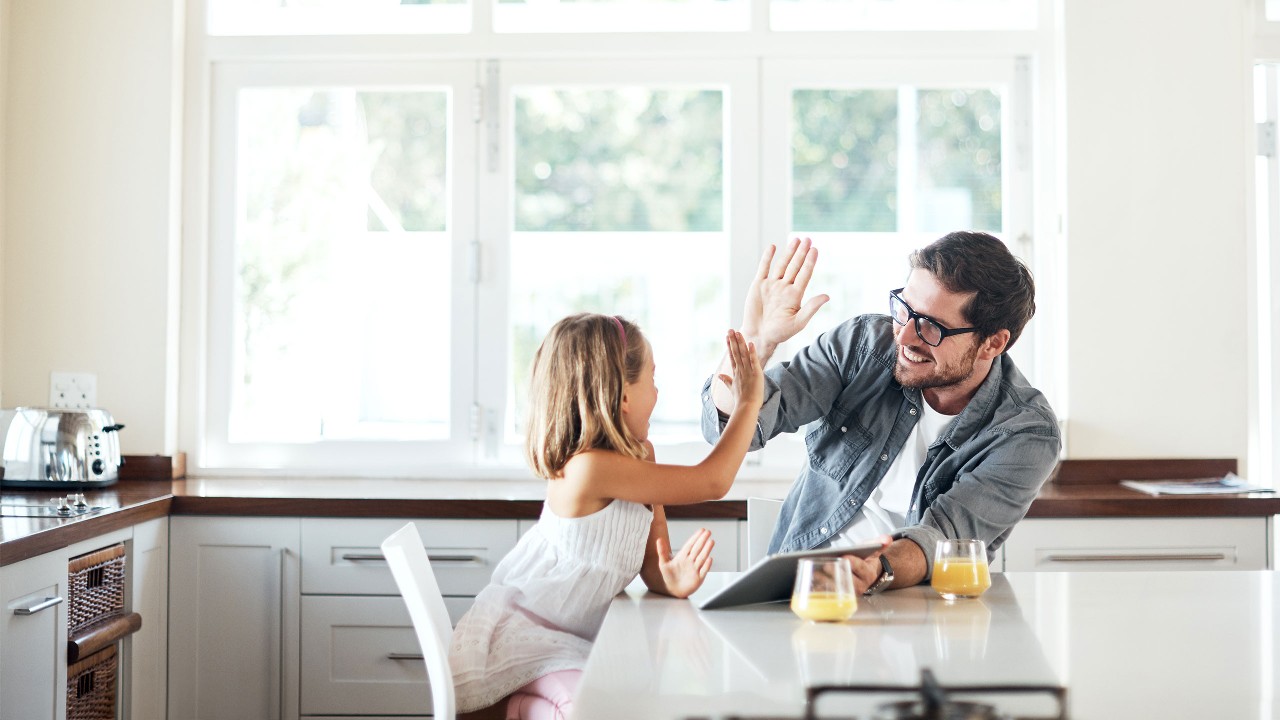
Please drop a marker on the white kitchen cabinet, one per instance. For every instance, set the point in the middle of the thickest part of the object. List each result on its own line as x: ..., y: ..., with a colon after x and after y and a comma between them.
x: 33, y: 638
x: 233, y: 618
x: 33, y: 631
x: 1139, y: 544
x: 145, y: 654
x: 343, y: 556
x: 360, y: 654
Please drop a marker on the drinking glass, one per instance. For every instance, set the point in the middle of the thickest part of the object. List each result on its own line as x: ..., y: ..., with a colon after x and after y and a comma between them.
x: 960, y: 569
x: 824, y: 590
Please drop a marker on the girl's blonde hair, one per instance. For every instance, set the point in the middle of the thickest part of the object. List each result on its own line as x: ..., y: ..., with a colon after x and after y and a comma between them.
x: 575, y: 397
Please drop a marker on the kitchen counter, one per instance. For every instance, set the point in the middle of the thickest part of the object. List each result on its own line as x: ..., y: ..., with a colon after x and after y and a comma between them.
x: 138, y: 500
x: 1138, y: 644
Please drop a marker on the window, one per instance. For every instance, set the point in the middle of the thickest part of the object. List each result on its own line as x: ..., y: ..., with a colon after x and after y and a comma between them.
x: 402, y: 201
x: 881, y: 162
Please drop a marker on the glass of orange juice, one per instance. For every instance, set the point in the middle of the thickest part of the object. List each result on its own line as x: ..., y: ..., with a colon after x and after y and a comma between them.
x: 824, y: 590
x: 960, y: 569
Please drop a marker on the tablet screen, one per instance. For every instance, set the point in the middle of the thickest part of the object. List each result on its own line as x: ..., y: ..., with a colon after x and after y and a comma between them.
x: 772, y: 578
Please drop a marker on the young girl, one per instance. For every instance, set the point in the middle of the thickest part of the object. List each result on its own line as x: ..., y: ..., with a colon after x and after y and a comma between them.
x: 529, y: 632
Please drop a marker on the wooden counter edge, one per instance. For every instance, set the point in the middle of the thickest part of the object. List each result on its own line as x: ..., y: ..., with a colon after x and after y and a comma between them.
x: 56, y: 538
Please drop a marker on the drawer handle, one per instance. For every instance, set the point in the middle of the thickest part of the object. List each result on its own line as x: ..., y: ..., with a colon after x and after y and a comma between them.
x: 405, y: 656
x: 1136, y: 557
x: 455, y: 559
x: 37, y: 606
x: 378, y: 557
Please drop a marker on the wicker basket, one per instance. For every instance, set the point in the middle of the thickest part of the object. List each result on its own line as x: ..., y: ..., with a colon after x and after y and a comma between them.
x: 91, y: 686
x: 95, y: 587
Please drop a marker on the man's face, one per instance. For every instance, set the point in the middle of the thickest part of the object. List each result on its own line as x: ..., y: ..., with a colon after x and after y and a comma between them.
x: 920, y: 365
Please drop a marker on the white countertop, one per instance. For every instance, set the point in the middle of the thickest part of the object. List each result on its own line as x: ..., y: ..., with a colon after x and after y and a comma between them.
x: 1125, y: 645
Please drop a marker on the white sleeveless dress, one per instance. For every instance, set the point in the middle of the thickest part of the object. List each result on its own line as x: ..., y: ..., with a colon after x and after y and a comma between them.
x: 546, y: 601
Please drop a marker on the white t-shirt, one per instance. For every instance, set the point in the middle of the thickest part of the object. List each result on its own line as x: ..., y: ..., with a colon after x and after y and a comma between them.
x: 886, y: 508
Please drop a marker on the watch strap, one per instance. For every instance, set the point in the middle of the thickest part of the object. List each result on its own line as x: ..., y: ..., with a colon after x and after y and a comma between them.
x: 886, y: 577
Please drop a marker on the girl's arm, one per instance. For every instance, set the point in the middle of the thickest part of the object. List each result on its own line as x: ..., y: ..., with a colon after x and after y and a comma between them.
x: 604, y: 475
x: 680, y: 575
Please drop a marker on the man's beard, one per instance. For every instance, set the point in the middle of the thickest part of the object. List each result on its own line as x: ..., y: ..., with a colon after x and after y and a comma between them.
x: 947, y: 376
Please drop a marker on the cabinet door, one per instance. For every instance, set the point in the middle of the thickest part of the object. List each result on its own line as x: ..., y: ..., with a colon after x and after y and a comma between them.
x: 360, y: 655
x: 233, y: 618
x: 1138, y: 544
x: 344, y: 557
x: 32, y: 629
x: 146, y: 653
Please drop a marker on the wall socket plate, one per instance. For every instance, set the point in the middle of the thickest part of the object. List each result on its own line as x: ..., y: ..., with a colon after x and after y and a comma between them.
x: 73, y: 390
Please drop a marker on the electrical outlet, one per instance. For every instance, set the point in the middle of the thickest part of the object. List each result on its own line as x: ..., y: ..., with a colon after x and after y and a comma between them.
x: 73, y: 390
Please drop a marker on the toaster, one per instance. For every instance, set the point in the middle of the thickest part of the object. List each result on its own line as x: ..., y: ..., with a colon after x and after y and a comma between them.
x: 59, y: 448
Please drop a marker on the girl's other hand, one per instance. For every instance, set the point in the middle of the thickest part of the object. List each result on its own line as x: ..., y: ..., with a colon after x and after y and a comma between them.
x: 684, y: 572
x: 747, y: 383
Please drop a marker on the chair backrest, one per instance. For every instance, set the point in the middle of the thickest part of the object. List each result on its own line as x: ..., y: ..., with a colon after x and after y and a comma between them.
x: 411, y: 568
x: 762, y: 515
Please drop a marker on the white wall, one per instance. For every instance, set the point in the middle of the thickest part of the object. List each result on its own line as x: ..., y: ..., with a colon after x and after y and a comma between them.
x: 1156, y: 134
x: 90, y: 233
x: 1156, y: 237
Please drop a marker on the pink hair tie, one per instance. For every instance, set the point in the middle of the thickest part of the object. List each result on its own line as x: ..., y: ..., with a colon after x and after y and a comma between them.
x: 622, y: 332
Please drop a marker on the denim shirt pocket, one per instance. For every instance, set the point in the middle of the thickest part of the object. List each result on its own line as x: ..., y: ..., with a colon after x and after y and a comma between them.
x: 833, y: 449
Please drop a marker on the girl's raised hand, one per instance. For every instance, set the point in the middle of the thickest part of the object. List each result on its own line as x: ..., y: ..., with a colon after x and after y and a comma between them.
x: 747, y: 382
x: 684, y: 572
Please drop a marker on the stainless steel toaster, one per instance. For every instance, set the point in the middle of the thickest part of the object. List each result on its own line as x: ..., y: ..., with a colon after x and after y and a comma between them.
x: 59, y: 448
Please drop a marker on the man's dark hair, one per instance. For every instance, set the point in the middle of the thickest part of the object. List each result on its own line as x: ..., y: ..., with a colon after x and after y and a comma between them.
x: 1004, y: 294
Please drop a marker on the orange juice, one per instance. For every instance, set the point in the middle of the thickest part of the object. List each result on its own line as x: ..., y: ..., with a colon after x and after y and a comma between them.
x: 824, y: 606
x: 960, y: 578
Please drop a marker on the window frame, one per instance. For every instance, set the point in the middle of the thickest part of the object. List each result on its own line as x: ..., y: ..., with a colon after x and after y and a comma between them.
x: 228, y: 79
x: 484, y: 65
x: 740, y: 80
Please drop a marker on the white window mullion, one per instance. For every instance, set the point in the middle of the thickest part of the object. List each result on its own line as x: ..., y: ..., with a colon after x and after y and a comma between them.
x: 493, y: 232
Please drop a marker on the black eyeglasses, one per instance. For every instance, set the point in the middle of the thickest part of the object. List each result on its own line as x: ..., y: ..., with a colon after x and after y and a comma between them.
x: 930, y: 331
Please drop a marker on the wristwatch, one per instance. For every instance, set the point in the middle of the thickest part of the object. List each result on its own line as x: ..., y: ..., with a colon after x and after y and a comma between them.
x: 886, y: 577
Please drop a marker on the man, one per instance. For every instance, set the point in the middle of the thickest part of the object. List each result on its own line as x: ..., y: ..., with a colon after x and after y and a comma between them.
x: 922, y: 425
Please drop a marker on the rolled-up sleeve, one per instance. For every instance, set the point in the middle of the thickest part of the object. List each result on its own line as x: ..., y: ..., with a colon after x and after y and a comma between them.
x: 987, y: 501
x: 795, y: 392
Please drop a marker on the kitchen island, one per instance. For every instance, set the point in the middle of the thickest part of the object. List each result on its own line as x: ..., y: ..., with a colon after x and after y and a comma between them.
x: 1123, y: 645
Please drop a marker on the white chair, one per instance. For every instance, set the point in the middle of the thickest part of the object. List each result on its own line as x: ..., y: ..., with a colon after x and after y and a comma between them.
x: 411, y: 568
x: 762, y: 516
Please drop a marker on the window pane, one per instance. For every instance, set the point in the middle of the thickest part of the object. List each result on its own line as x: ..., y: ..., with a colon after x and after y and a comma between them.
x: 341, y: 266
x: 877, y: 173
x: 959, y: 134
x: 844, y: 160
x: 337, y: 17
x: 619, y: 160
x: 619, y: 209
x: 571, y: 16
x: 902, y: 160
x: 902, y: 14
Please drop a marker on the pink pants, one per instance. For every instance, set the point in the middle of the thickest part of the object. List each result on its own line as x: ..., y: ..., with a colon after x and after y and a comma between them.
x: 550, y: 697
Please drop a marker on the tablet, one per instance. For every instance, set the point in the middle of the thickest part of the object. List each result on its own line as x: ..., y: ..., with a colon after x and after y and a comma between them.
x: 772, y: 578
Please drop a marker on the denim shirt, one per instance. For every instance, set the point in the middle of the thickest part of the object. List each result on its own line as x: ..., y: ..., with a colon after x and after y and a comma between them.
x: 978, y: 479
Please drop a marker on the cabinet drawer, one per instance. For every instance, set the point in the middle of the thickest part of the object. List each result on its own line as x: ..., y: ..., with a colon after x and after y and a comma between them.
x: 343, y: 557
x: 348, y: 664
x: 1138, y: 544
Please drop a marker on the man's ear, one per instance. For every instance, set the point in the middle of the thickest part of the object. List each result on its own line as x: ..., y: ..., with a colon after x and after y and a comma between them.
x: 994, y: 345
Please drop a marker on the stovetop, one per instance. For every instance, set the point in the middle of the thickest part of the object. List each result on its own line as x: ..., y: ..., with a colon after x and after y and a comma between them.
x: 71, y: 506
x: 929, y: 701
